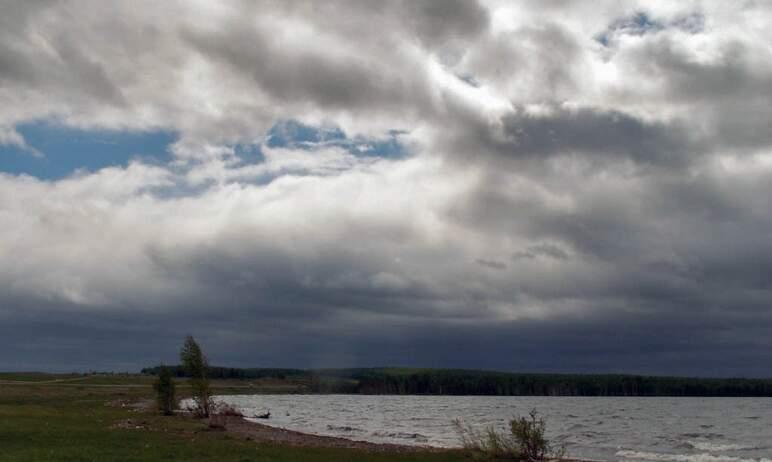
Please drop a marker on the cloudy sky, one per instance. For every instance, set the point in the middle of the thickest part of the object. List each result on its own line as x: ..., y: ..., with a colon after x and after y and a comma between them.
x: 526, y: 186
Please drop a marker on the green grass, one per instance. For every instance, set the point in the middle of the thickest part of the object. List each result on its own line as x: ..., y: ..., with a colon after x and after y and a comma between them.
x: 72, y: 421
x: 33, y: 376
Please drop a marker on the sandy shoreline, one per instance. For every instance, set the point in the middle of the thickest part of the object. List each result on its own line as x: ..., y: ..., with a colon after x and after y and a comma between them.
x: 274, y: 435
x: 268, y: 434
x: 260, y: 433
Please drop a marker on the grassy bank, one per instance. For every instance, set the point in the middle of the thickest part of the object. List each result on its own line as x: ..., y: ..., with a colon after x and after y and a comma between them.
x: 76, y: 418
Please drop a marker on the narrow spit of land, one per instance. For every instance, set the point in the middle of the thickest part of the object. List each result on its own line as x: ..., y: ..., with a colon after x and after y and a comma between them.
x: 104, y: 417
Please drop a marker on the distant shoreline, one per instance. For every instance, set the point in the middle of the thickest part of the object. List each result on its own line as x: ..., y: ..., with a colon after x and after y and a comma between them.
x: 458, y: 382
x: 426, y: 382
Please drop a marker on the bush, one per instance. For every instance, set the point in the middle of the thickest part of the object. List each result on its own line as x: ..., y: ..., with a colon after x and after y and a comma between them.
x: 218, y: 418
x: 165, y: 391
x: 525, y: 441
x: 195, y: 365
x: 227, y: 410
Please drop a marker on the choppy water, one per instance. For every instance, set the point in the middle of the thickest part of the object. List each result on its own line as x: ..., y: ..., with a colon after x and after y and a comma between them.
x: 610, y: 429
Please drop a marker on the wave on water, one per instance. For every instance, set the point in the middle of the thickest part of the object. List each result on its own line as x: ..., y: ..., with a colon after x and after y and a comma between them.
x: 717, y: 447
x: 402, y: 435
x: 709, y: 436
x: 664, y: 430
x: 662, y: 457
x: 343, y: 428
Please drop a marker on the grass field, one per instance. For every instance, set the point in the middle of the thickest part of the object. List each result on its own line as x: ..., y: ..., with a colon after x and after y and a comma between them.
x: 76, y: 418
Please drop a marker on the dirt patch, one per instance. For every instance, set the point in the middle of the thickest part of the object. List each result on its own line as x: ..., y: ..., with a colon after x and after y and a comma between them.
x: 134, y: 404
x: 130, y: 424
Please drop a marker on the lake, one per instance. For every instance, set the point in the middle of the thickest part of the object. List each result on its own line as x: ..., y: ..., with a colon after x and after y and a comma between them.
x: 601, y: 428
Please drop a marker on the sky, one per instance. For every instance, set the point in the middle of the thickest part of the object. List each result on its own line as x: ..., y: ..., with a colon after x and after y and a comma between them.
x: 533, y: 186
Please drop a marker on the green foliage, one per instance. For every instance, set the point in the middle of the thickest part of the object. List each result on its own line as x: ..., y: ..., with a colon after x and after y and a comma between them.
x: 526, y: 441
x: 165, y: 389
x: 529, y: 433
x: 195, y: 365
x: 192, y: 358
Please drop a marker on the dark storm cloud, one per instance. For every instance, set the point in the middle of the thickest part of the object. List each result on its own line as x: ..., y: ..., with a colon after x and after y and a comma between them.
x: 568, y: 205
x: 62, y: 69
x: 670, y: 248
x: 492, y: 264
x: 634, y: 343
x: 595, y: 138
x: 592, y: 132
x: 545, y: 57
x: 438, y: 22
x: 542, y: 250
x: 346, y: 78
x: 726, y: 88
x: 735, y: 71
x: 307, y: 76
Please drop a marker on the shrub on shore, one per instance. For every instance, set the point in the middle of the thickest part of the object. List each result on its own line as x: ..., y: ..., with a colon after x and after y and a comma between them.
x: 525, y: 441
x: 218, y: 419
x: 195, y: 365
x: 165, y: 390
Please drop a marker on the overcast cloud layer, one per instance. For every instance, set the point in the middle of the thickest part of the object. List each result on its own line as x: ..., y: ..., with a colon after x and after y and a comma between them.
x: 570, y: 186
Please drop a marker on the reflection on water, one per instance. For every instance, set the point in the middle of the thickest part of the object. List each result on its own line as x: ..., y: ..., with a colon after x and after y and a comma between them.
x: 613, y: 429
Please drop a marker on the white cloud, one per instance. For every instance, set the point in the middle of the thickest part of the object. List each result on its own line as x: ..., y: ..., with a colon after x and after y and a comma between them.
x: 549, y: 176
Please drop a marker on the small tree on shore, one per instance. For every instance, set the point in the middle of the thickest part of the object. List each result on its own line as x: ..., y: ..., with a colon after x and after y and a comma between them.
x: 165, y: 389
x: 525, y: 442
x: 195, y: 365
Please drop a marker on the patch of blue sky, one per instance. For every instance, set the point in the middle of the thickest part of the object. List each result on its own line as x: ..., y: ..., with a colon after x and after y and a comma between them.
x: 469, y: 79
x: 248, y: 154
x: 296, y: 135
x: 693, y: 23
x: 640, y: 23
x: 389, y: 146
x: 66, y: 150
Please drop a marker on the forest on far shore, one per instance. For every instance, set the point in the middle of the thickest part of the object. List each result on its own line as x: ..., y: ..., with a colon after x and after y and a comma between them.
x: 407, y: 381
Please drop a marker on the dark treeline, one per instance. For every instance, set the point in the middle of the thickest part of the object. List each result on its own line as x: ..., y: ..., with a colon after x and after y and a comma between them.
x: 470, y: 382
x: 216, y: 372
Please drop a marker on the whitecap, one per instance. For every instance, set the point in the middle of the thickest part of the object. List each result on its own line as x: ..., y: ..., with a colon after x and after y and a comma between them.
x: 663, y: 457
x: 717, y: 447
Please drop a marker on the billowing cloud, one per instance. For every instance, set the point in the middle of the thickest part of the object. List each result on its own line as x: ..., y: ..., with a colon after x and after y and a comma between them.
x: 554, y: 185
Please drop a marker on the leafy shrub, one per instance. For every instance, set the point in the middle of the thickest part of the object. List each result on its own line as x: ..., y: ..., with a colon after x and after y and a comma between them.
x: 525, y: 441
x: 227, y: 410
x: 218, y: 418
x: 195, y: 364
x: 165, y: 390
